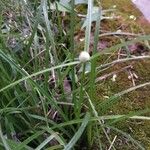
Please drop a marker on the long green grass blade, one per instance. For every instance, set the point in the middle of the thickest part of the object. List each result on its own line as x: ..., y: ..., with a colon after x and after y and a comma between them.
x: 78, y: 133
x: 4, y: 140
x: 88, y: 27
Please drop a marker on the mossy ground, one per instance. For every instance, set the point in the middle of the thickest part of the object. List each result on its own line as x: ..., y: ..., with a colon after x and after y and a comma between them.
x: 136, y: 100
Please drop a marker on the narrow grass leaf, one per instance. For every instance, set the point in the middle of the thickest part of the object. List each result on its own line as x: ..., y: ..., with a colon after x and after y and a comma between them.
x: 4, y: 56
x: 29, y: 139
x: 113, y: 99
x: 78, y: 133
x: 5, y: 144
x: 60, y: 139
x: 46, y: 141
x: 117, y: 46
x: 88, y: 27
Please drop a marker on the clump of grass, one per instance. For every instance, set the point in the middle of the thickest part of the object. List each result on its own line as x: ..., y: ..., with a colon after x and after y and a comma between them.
x: 47, y: 94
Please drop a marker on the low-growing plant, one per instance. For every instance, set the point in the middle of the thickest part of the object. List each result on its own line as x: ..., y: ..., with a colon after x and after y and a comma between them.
x: 47, y: 86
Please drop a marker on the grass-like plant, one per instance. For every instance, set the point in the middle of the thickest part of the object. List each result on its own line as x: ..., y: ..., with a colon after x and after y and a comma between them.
x: 47, y: 92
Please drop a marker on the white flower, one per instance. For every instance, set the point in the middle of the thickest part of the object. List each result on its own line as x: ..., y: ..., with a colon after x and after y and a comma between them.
x: 84, y: 56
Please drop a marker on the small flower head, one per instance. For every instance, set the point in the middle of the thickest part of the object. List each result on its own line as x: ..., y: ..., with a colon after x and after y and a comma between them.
x: 84, y: 56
